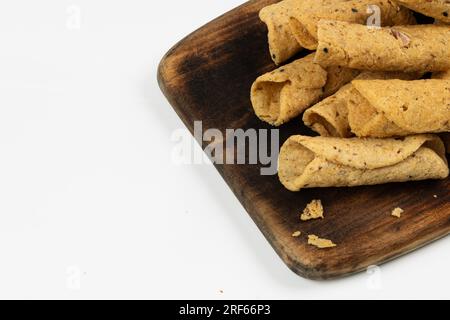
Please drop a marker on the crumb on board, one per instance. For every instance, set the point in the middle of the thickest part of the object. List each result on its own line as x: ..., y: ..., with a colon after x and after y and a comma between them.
x: 320, y: 243
x: 297, y: 234
x: 397, y: 212
x: 435, y: 196
x: 313, y: 210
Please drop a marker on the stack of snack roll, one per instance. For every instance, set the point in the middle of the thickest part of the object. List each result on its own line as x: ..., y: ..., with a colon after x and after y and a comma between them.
x: 376, y: 88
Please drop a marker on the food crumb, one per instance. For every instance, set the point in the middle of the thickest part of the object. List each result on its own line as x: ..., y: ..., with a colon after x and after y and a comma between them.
x: 313, y: 210
x: 296, y: 234
x: 435, y: 196
x: 397, y: 212
x: 320, y: 243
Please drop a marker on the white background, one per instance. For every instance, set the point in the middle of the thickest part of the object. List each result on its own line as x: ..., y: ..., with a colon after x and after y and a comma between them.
x: 91, y: 205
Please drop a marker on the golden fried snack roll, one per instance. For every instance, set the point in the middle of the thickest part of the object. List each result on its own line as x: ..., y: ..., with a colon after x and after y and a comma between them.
x: 383, y: 108
x: 303, y: 21
x: 399, y: 108
x: 313, y: 162
x: 283, y: 94
x: 282, y: 43
x: 438, y: 9
x: 420, y: 48
x: 330, y: 116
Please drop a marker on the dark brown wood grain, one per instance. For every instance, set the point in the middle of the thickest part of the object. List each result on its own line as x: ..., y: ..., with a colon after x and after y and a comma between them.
x: 207, y: 77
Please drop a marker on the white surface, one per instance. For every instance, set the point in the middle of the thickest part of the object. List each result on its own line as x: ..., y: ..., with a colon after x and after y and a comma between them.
x: 91, y: 205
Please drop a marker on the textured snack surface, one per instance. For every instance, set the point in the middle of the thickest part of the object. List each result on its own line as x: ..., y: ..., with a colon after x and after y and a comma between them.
x: 304, y: 21
x: 282, y: 43
x: 330, y: 117
x: 398, y: 107
x: 309, y: 162
x: 283, y: 94
x: 421, y: 48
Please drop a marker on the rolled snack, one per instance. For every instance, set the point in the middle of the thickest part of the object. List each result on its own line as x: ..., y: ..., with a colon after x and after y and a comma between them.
x: 282, y: 43
x: 330, y: 117
x: 438, y: 9
x: 421, y: 48
x: 399, y: 108
x: 312, y: 162
x: 303, y: 21
x: 285, y: 93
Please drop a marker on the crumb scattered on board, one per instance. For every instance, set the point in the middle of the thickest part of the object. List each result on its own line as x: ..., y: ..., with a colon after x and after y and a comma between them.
x: 397, y: 212
x: 297, y: 234
x: 313, y: 210
x: 320, y: 243
x: 435, y: 196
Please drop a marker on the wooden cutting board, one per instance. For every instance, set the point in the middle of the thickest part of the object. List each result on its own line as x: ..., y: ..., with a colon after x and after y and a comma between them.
x: 207, y: 77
